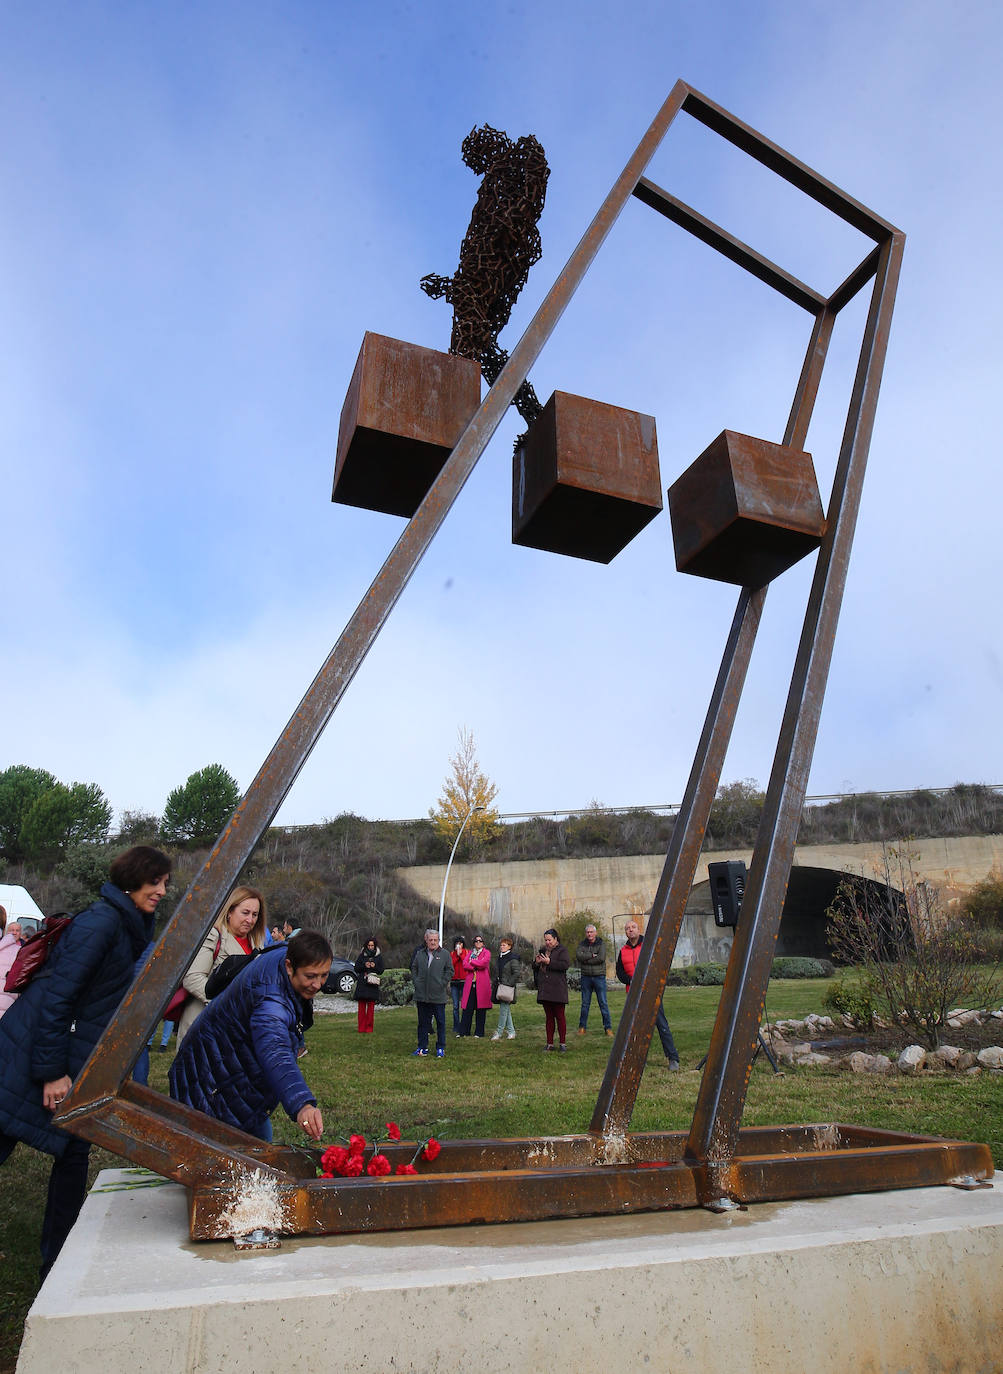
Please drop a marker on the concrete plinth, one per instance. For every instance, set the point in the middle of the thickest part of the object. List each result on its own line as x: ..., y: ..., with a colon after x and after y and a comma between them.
x: 902, y: 1281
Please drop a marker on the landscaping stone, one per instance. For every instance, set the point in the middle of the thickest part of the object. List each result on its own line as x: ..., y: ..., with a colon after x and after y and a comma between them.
x: 911, y: 1059
x: 949, y: 1054
x: 991, y: 1058
x: 881, y: 1064
x: 859, y: 1062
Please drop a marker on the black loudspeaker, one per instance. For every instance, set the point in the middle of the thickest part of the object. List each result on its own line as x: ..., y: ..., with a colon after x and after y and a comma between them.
x: 727, y: 888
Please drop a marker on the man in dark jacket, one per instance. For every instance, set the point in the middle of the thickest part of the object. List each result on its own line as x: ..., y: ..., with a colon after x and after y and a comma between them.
x: 238, y: 1060
x: 432, y: 973
x: 626, y: 962
x: 591, y: 959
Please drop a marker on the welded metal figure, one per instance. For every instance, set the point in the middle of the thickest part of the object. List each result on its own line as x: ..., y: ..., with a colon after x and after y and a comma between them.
x: 500, y: 246
x: 602, y: 1170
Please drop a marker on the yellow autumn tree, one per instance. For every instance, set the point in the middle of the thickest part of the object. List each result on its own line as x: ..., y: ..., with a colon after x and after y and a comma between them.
x: 465, y: 787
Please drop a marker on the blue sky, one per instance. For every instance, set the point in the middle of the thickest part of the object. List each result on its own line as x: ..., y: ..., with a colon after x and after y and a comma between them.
x: 202, y: 209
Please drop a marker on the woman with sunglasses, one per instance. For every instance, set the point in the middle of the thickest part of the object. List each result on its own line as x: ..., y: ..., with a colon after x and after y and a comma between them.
x: 476, y: 989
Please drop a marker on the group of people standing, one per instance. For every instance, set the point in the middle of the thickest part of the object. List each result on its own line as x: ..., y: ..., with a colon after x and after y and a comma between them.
x: 463, y: 975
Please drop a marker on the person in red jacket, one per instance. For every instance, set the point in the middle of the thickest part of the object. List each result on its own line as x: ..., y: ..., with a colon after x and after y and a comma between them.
x: 459, y: 953
x: 626, y: 963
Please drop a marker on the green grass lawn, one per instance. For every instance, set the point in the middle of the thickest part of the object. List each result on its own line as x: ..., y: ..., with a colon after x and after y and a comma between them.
x: 510, y: 1088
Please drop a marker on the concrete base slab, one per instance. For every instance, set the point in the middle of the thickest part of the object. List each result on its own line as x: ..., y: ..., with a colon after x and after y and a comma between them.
x: 900, y: 1281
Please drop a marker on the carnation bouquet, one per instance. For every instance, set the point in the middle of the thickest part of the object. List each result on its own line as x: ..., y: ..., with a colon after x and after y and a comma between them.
x: 349, y: 1160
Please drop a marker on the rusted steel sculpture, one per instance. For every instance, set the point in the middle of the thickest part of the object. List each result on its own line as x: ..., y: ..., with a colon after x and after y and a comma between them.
x: 602, y: 1170
x: 500, y: 246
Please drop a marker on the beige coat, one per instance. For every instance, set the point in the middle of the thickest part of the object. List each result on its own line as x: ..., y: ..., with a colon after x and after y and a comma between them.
x: 199, y: 970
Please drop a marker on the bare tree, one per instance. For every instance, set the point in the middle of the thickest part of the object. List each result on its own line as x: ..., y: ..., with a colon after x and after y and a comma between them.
x: 916, y: 961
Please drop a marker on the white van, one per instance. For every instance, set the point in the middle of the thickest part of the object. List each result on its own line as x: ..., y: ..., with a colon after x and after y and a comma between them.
x: 21, y: 907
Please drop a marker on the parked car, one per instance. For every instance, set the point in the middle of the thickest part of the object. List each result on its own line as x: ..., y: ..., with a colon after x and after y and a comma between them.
x: 342, y: 978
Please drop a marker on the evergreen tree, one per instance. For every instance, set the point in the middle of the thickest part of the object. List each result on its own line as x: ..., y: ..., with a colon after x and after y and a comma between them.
x: 198, y: 811
x: 20, y: 788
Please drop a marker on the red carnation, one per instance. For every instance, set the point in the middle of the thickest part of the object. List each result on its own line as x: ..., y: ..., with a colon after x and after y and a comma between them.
x: 333, y: 1158
x: 406, y: 1169
x: 352, y: 1167
x: 379, y: 1166
x: 393, y: 1131
x: 432, y: 1148
x: 325, y: 1174
x: 356, y: 1144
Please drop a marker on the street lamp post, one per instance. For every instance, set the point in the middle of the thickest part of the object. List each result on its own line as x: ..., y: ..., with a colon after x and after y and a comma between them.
x: 445, y: 880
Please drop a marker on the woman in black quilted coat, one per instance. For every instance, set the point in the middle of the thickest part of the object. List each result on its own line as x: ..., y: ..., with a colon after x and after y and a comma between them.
x: 48, y: 1033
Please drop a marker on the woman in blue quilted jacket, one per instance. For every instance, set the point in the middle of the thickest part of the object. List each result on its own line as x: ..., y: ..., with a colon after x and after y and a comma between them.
x: 238, y: 1061
x: 48, y: 1033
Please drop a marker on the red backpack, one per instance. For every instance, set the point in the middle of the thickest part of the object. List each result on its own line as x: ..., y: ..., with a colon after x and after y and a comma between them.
x: 35, y: 951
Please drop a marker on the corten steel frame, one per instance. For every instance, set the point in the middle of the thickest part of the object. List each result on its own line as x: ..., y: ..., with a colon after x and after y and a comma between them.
x: 599, y: 1171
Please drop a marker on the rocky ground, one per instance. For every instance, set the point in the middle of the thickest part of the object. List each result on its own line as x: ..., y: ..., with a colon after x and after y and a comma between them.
x: 971, y: 1042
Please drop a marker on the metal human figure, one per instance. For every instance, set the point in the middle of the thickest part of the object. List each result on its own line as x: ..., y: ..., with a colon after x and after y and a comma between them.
x: 501, y: 244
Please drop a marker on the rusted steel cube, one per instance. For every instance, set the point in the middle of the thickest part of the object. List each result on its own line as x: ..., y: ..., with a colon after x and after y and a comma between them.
x: 745, y: 511
x: 406, y: 407
x: 585, y: 480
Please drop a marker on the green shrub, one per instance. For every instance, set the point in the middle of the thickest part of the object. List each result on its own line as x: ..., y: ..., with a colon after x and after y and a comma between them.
x: 574, y: 978
x: 696, y: 975
x: 795, y: 966
x: 843, y: 999
x: 708, y: 975
x: 396, y: 987
x: 985, y: 902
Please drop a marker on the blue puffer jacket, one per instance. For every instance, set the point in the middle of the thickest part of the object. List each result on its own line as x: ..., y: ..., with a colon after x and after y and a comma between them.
x: 56, y: 1022
x: 238, y: 1060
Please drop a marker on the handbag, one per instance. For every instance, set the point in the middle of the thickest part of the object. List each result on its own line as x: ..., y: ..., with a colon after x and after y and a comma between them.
x: 180, y: 996
x: 373, y: 978
x: 35, y: 952
x: 505, y: 993
x: 174, y: 1008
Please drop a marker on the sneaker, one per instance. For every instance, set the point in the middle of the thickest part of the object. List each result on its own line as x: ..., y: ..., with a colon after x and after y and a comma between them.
x: 672, y: 1065
x: 440, y: 1054
x: 496, y: 1036
x: 477, y: 1037
x: 547, y: 1048
x: 511, y: 1035
x: 564, y: 1047
x: 419, y: 1054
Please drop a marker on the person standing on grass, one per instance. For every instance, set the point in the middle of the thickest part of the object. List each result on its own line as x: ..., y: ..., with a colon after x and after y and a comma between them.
x: 591, y: 959
x: 476, y: 989
x: 458, y: 954
x: 431, y: 973
x: 626, y: 963
x: 508, y: 977
x: 552, y: 964
x: 368, y: 969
